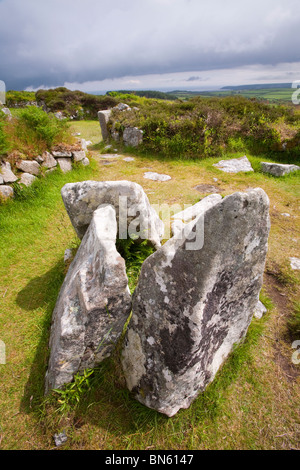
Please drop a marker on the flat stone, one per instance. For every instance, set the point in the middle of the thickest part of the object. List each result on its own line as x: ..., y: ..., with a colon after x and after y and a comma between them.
x: 48, y: 160
x: 235, y: 165
x: 109, y: 156
x: 295, y: 263
x: 79, y: 155
x: 207, y: 188
x: 6, y: 192
x: 260, y: 310
x: 128, y: 159
x: 134, y: 212
x: 27, y: 179
x: 65, y: 164
x: 29, y: 166
x: 6, y: 173
x: 278, y: 169
x: 62, y: 154
x: 191, y: 306
x: 93, y: 305
x: 150, y: 175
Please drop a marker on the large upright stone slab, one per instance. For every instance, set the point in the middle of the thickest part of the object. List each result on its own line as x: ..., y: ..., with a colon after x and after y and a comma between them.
x: 191, y: 306
x: 129, y: 200
x: 103, y: 117
x: 93, y: 304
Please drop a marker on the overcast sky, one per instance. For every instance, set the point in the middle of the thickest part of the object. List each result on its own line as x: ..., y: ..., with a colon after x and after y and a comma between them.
x: 140, y: 44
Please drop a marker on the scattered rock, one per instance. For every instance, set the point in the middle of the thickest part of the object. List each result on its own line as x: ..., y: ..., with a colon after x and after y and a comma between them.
x: 295, y: 263
x: 132, y: 136
x: 260, y: 310
x: 278, y: 169
x: 286, y: 214
x: 6, y: 192
x: 27, y: 179
x: 137, y: 215
x: 7, y: 112
x: 65, y: 164
x: 93, y: 305
x: 150, y: 175
x: 191, y: 306
x: 235, y: 165
x: 60, y: 439
x: 68, y: 255
x: 122, y: 107
x: 6, y: 173
x: 128, y: 159
x: 48, y: 160
x: 85, y: 161
x: 39, y: 159
x: 29, y: 166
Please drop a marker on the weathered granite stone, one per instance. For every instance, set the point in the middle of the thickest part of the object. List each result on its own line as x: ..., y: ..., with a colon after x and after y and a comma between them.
x: 122, y: 107
x: 109, y: 155
x: 235, y: 165
x: 190, y: 213
x: 39, y: 159
x: 103, y: 117
x: 137, y: 215
x: 6, y: 173
x: 93, y: 304
x: 79, y: 155
x: 27, y: 179
x: 191, y: 306
x: 295, y: 263
x: 6, y: 192
x: 65, y: 164
x: 260, y: 310
x: 128, y: 159
x: 1, y: 180
x: 85, y: 161
x: 48, y: 160
x: 278, y: 169
x: 29, y: 166
x: 132, y: 136
x: 150, y: 175
x: 62, y: 154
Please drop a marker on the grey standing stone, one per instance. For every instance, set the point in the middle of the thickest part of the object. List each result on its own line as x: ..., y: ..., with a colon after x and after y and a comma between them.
x: 82, y: 199
x: 65, y: 164
x: 29, y: 166
x: 6, y: 192
x: 93, y: 304
x: 6, y: 173
x: 278, y: 169
x: 191, y: 306
x: 103, y: 117
x: 235, y: 165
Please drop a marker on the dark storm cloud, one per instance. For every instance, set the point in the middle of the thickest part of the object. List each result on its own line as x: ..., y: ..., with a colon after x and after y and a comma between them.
x: 56, y: 41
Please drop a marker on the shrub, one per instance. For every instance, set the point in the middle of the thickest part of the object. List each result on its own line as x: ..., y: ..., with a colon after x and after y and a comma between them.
x: 35, y: 131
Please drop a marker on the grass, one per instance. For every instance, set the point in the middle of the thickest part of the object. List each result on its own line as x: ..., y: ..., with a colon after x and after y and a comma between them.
x: 253, y: 402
